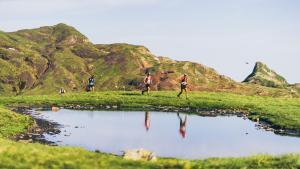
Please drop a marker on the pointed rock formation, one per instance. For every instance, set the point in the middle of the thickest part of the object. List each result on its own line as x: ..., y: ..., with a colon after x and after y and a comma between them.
x: 264, y: 76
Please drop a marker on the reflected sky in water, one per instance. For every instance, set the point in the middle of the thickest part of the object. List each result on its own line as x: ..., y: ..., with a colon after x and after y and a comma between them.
x: 167, y: 134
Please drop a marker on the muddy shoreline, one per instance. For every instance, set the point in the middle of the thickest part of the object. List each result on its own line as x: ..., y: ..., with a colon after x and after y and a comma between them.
x: 42, y: 126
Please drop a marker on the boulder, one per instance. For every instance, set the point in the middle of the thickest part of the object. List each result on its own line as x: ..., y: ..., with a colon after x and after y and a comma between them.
x: 139, y: 154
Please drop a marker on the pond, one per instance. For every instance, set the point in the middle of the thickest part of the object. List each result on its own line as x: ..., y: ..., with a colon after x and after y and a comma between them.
x: 185, y: 136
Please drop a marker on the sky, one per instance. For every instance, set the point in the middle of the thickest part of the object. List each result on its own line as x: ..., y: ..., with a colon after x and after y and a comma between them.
x: 224, y: 35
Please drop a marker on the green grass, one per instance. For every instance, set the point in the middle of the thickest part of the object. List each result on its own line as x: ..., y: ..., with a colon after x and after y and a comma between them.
x: 12, y: 123
x: 20, y: 155
x: 283, y: 112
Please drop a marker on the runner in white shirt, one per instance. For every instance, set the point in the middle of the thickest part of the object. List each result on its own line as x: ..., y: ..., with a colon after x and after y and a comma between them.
x: 147, y: 83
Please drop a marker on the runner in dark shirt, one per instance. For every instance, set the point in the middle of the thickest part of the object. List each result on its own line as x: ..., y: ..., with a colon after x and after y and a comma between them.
x: 91, y: 84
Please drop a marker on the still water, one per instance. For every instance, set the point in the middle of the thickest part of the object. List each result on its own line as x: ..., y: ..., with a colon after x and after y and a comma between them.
x: 167, y: 134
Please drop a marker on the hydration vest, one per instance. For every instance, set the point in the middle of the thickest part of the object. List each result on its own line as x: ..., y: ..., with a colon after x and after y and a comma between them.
x: 184, y: 80
x: 91, y: 81
x: 148, y: 80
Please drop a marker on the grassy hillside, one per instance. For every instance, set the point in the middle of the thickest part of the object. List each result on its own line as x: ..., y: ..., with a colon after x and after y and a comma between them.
x: 42, y: 60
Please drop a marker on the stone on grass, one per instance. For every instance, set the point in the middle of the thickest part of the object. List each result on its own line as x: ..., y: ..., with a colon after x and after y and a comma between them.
x: 139, y: 154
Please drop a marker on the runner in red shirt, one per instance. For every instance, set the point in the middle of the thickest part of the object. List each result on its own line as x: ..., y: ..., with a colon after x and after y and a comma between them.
x: 183, y: 85
x: 182, y: 125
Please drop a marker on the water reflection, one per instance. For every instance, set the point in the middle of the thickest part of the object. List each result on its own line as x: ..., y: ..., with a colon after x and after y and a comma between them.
x: 182, y: 125
x: 114, y: 132
x: 147, y: 120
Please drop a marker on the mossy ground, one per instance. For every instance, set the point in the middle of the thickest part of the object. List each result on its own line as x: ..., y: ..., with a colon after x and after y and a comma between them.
x: 280, y: 111
x: 12, y: 123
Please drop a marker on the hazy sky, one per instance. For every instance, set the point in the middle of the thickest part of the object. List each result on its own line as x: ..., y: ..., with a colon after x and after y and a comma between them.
x: 223, y: 34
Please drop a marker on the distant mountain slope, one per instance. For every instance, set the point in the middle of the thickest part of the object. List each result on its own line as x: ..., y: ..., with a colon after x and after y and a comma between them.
x: 42, y: 60
x: 127, y: 65
x: 264, y: 76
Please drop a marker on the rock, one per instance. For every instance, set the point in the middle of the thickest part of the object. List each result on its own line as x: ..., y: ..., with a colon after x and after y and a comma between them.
x: 264, y: 76
x: 115, y: 107
x: 35, y: 135
x: 139, y: 154
x: 38, y: 130
x: 257, y: 120
x: 54, y: 109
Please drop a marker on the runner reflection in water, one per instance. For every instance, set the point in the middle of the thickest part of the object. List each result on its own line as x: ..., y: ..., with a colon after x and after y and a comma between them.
x: 182, y: 127
x: 147, y: 120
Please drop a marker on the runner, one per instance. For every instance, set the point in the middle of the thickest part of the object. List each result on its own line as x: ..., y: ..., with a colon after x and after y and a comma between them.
x: 182, y: 125
x: 62, y: 91
x: 147, y: 120
x: 183, y: 86
x: 147, y: 83
x: 91, y: 84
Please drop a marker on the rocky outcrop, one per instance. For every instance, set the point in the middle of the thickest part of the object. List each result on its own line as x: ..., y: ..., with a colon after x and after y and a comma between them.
x: 264, y: 76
